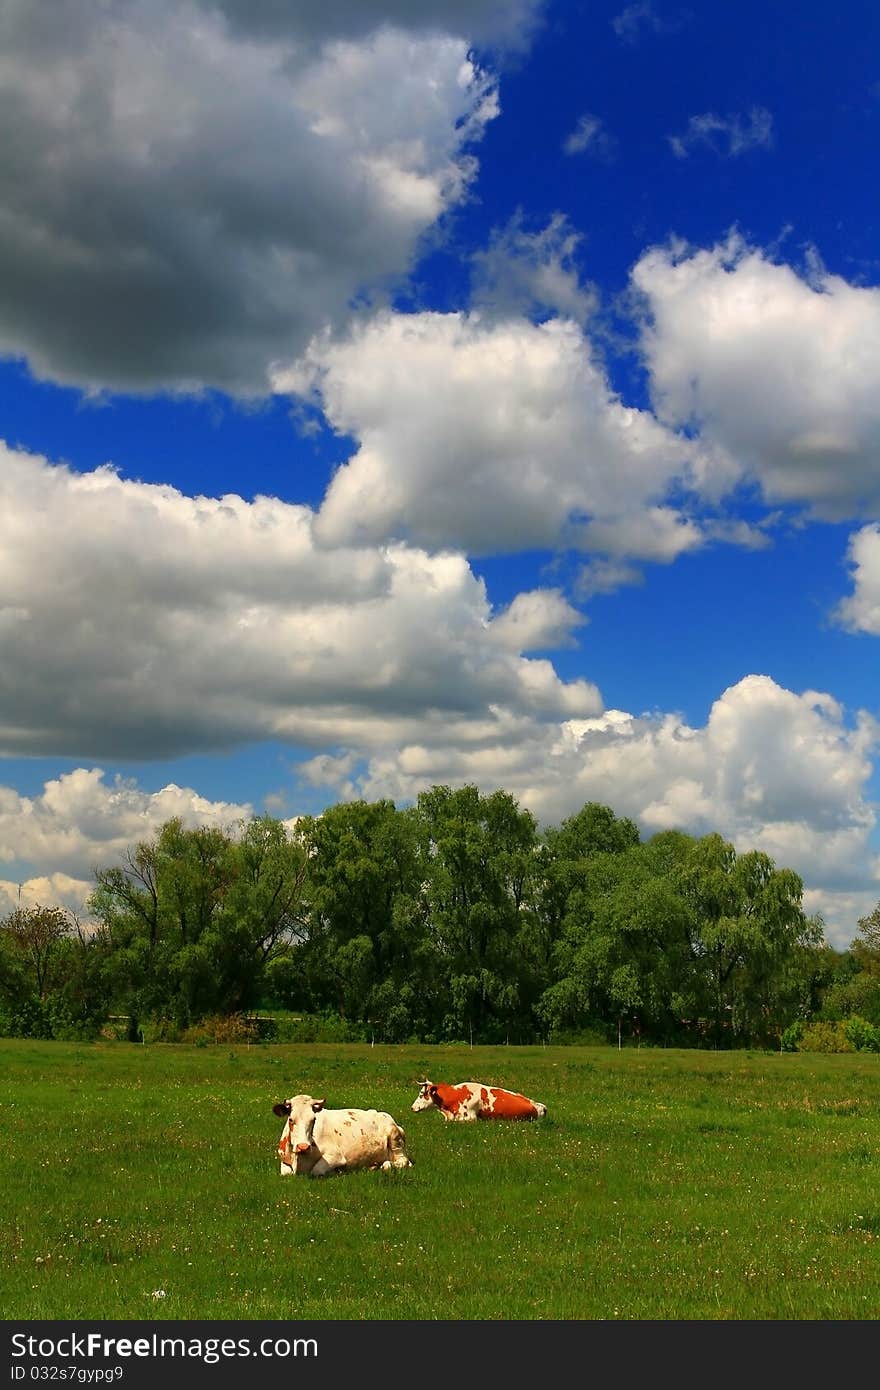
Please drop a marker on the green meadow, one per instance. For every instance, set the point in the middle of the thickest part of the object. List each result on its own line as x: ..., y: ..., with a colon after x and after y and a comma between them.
x: 142, y: 1183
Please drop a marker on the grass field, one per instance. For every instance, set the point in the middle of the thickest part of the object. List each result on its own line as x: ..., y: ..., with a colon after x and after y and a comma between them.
x: 142, y: 1183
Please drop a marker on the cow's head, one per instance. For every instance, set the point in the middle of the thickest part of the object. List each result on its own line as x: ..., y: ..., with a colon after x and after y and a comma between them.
x: 300, y: 1112
x: 427, y: 1096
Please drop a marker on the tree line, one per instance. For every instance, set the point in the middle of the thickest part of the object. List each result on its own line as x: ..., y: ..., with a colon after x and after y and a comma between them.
x: 455, y: 918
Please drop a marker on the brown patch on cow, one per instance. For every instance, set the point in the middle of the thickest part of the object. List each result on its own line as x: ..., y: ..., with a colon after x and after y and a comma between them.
x: 508, y: 1105
x: 451, y: 1098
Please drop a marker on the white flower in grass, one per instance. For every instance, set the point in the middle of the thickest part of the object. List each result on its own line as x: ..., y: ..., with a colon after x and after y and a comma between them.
x: 158, y: 1293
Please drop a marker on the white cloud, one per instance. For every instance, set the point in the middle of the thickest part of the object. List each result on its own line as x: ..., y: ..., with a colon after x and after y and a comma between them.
x: 49, y: 890
x: 860, y: 611
x: 605, y: 577
x: 139, y: 622
x: 540, y: 618
x: 531, y: 273
x: 840, y: 911
x: 81, y: 822
x: 725, y: 135
x: 490, y: 435
x: 590, y: 136
x: 779, y: 373
x: 190, y: 190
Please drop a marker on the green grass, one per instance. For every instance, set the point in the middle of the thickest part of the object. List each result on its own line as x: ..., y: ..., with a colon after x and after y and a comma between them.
x: 663, y: 1184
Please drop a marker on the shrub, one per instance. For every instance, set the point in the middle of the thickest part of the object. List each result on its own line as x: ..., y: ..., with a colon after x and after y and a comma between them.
x: 862, y: 1034
x: 299, y: 1028
x: 27, y: 1018
x: 825, y: 1037
x: 221, y: 1028
x: 791, y: 1038
x: 581, y: 1037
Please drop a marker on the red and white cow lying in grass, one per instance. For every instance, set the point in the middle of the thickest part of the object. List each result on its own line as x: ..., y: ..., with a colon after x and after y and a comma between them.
x: 318, y: 1141
x: 472, y: 1100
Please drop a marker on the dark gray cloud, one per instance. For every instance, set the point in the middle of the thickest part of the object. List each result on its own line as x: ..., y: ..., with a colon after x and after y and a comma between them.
x: 504, y: 24
x: 188, y: 191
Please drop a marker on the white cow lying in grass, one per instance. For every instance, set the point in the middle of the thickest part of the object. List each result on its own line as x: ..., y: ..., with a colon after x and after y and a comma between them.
x: 318, y: 1141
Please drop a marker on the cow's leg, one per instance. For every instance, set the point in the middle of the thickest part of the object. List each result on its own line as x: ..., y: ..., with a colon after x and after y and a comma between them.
x: 397, y: 1157
x: 322, y: 1168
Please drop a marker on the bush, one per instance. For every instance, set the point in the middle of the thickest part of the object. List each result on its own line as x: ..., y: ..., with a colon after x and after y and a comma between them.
x: 862, y: 1034
x: 825, y: 1037
x: 791, y: 1038
x: 299, y: 1028
x: 582, y: 1037
x: 221, y: 1028
x: 27, y: 1018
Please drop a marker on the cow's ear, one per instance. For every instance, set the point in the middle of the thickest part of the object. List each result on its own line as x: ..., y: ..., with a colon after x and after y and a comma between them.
x: 433, y: 1092
x: 282, y: 1109
x: 318, y: 1105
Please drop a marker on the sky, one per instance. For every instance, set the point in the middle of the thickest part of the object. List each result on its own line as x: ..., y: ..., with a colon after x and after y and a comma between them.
x: 471, y: 391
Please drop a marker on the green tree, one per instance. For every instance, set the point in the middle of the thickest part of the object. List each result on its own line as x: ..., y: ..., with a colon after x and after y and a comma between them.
x: 625, y: 954
x: 478, y: 871
x: 566, y: 853
x: 193, y: 917
x: 36, y: 933
x: 748, y: 925
x: 852, y: 984
x: 51, y: 983
x: 363, y: 947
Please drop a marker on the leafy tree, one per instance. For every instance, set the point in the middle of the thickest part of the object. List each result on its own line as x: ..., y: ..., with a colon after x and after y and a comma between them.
x: 193, y: 917
x: 36, y: 933
x: 478, y: 875
x: 853, y: 981
x: 869, y: 930
x: 50, y: 978
x: 363, y: 934
x: 626, y: 948
x: 567, y: 851
x: 748, y: 923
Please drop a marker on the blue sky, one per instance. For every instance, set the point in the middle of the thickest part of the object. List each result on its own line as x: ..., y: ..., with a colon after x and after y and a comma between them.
x: 463, y: 392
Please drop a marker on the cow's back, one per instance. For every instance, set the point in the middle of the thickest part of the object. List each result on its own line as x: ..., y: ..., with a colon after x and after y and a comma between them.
x: 496, y: 1103
x: 510, y: 1105
x: 360, y: 1138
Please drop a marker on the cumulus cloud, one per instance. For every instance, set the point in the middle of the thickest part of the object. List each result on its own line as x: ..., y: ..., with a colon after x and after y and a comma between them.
x: 725, y: 135
x: 190, y: 190
x: 81, y: 822
x: 532, y: 273
x: 540, y: 618
x: 771, y: 769
x: 860, y: 611
x: 778, y: 372
x: 590, y: 136
x: 48, y: 890
x: 490, y: 434
x: 138, y: 622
